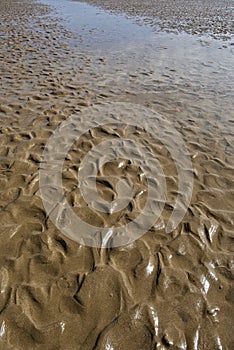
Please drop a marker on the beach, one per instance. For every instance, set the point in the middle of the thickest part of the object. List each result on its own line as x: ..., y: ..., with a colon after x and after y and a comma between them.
x: 159, y: 78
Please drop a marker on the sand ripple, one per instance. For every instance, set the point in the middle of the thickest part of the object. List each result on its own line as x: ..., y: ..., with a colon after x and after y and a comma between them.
x: 170, y: 291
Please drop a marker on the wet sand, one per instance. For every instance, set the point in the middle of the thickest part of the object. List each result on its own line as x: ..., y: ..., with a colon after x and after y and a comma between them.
x: 163, y: 291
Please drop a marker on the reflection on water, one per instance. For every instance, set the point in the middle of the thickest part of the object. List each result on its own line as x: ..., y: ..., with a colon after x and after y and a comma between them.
x: 190, y: 70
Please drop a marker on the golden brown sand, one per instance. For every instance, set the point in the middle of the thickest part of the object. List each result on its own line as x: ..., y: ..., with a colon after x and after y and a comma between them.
x: 164, y: 291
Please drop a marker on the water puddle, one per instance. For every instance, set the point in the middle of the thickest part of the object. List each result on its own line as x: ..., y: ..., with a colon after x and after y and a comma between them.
x: 98, y: 30
x: 197, y: 71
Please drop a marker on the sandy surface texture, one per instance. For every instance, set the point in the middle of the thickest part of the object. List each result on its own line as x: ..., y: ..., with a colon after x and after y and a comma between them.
x: 163, y: 291
x: 213, y: 17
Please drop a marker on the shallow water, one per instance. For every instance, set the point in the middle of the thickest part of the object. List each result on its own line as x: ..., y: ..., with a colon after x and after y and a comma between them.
x: 76, y: 66
x: 138, y: 59
x: 96, y: 29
